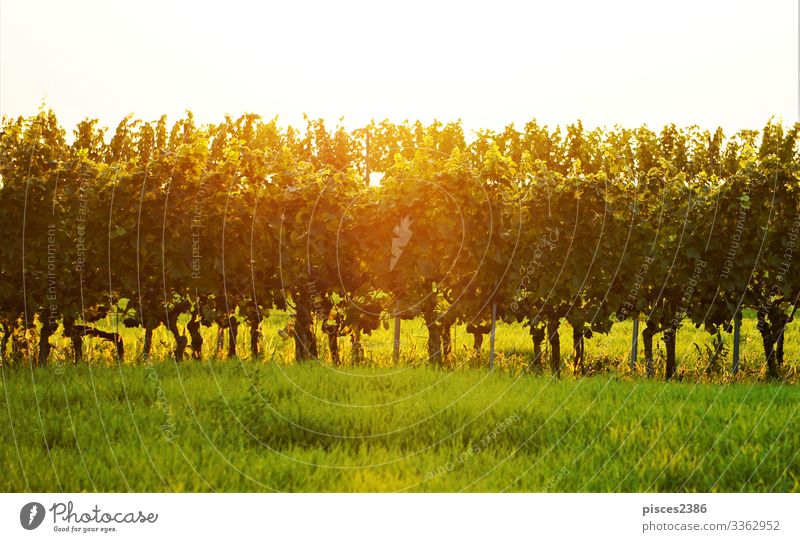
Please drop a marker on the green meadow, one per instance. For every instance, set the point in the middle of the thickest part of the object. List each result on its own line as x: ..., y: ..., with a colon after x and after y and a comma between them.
x: 238, y: 425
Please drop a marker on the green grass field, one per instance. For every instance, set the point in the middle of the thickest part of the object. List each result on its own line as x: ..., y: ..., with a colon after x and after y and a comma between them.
x: 241, y: 426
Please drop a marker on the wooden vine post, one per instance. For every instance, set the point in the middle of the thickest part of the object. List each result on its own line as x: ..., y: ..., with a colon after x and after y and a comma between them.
x: 737, y: 331
x: 491, y: 337
x: 634, y: 343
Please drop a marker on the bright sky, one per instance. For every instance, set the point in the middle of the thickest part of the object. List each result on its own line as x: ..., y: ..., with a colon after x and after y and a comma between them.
x: 728, y: 63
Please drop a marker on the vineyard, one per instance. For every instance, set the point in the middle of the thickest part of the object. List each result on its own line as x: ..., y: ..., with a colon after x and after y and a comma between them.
x: 195, y: 236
